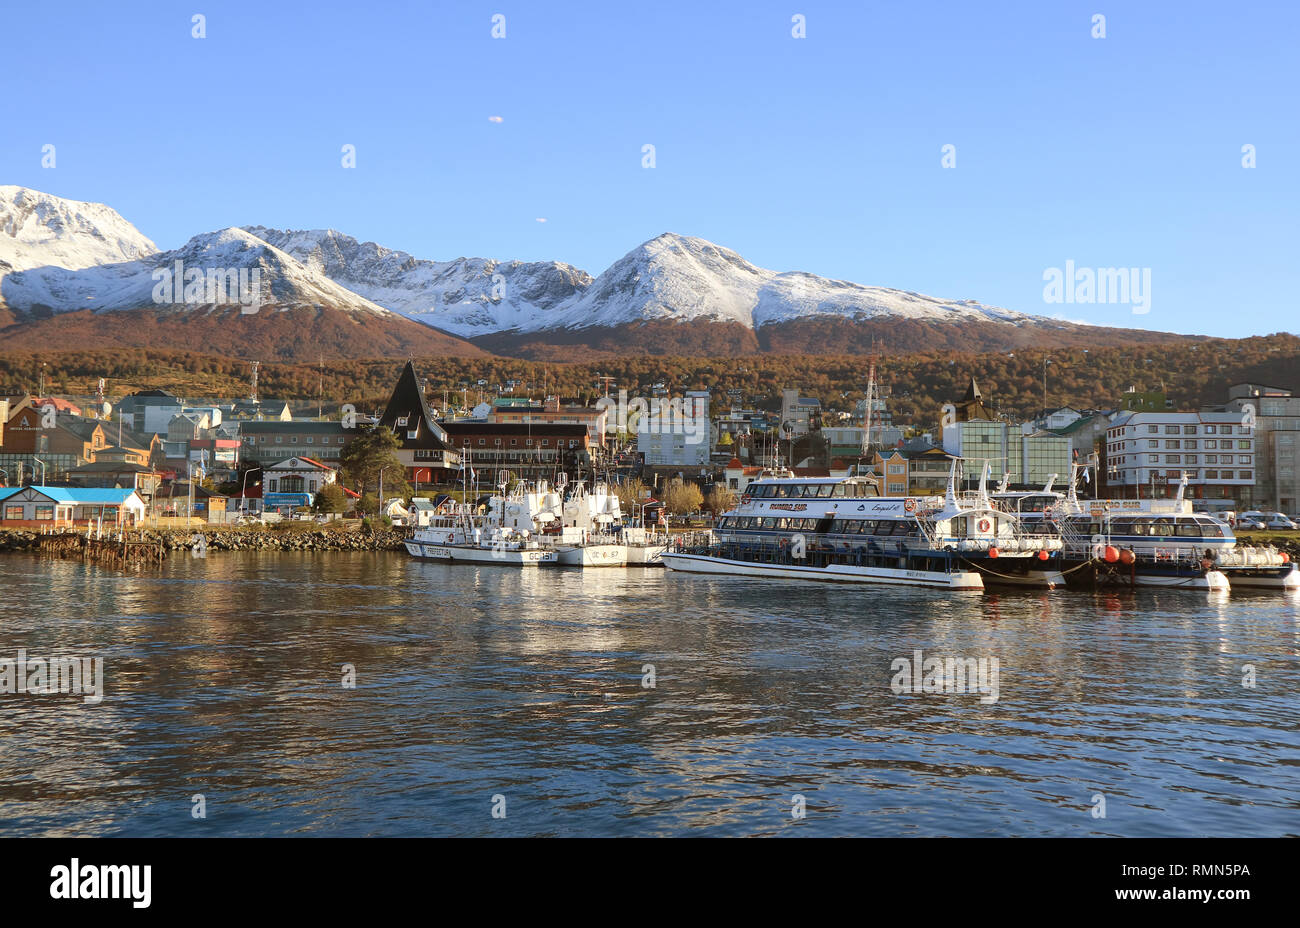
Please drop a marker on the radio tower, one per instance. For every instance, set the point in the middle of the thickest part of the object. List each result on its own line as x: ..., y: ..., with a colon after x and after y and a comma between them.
x: 870, y: 402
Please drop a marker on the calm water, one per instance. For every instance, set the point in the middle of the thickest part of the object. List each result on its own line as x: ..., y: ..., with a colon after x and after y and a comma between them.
x: 223, y: 678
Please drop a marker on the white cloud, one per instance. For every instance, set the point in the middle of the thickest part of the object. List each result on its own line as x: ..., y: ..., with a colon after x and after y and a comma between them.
x: 496, y: 119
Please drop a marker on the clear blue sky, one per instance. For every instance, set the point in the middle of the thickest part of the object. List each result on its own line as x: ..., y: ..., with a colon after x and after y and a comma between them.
x: 819, y: 154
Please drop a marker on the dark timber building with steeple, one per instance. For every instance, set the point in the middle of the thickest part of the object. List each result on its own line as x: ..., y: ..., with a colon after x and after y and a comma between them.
x: 425, y: 449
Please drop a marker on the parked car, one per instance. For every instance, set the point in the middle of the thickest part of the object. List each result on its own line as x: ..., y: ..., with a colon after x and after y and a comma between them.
x: 1245, y: 522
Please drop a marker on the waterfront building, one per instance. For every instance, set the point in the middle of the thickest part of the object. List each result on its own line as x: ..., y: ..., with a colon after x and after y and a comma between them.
x: 1026, y: 456
x: 525, y: 450
x: 676, y: 433
x: 1147, y: 454
x: 295, y: 482
x: 47, y: 507
x: 35, y: 445
x: 1277, y: 443
x: 269, y: 441
x: 549, y: 412
x: 423, y: 444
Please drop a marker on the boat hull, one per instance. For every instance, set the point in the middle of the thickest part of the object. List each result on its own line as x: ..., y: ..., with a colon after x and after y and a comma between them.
x: 1264, y: 578
x: 832, y: 573
x: 597, y: 555
x: 473, y: 554
x: 1088, y: 574
x: 645, y: 555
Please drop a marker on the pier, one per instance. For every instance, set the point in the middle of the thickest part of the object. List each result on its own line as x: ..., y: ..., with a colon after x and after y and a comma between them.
x: 119, y: 549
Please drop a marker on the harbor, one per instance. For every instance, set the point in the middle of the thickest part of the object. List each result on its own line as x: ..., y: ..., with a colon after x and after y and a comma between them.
x: 622, y: 701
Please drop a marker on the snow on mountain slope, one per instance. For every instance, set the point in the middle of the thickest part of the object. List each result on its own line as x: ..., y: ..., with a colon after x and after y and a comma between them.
x: 281, y: 280
x: 39, y: 229
x: 468, y: 296
x: 671, y: 278
x: 63, y: 255
x: 688, y: 279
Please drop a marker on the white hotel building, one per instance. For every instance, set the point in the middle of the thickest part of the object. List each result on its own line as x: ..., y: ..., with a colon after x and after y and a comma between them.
x: 1148, y: 452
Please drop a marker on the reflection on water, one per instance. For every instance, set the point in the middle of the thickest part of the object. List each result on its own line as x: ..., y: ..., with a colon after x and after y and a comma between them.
x: 224, y: 678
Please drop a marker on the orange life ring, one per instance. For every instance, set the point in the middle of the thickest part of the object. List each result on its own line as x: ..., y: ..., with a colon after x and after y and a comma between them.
x: 984, y: 525
x: 909, y: 505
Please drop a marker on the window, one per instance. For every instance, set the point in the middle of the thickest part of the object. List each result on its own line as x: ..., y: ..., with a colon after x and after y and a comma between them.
x: 1211, y: 429
x: 1189, y: 430
x: 1242, y: 475
x: 13, y: 512
x: 1211, y: 443
x: 1173, y: 443
x: 1153, y: 443
x: 1211, y: 459
x: 1153, y: 429
x: 1173, y: 459
x: 293, y: 440
x: 310, y: 440
x: 482, y: 442
x: 1190, y: 459
x: 546, y: 442
x: 1243, y: 459
x: 1172, y: 430
x: 279, y: 439
x: 44, y: 512
x: 1211, y: 475
x: 1190, y: 445
x: 1243, y: 445
x: 514, y: 442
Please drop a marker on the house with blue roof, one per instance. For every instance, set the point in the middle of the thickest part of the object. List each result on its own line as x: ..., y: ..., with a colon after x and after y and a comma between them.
x: 40, y: 507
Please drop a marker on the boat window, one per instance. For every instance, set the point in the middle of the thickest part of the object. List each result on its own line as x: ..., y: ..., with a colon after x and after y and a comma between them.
x: 1188, y: 528
x: 837, y: 527
x: 1162, y: 527
x: 768, y: 523
x: 724, y: 522
x: 853, y: 526
x: 1211, y: 529
x: 765, y: 490
x: 885, y: 527
x: 824, y: 490
x: 838, y: 490
x: 869, y: 526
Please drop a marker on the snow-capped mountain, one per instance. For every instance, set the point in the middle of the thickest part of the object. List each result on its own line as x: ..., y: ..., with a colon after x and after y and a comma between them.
x: 669, y: 278
x: 671, y: 295
x: 38, y: 229
x: 79, y: 274
x: 242, y: 268
x: 468, y: 296
x: 674, y: 277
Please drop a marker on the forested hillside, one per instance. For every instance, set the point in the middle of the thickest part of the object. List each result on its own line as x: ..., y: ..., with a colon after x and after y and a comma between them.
x: 1191, y: 374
